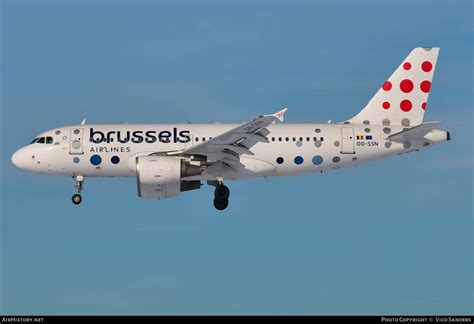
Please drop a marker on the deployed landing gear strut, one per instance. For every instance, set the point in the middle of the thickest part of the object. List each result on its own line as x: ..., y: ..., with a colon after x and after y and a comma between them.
x: 76, y: 198
x: 221, y: 196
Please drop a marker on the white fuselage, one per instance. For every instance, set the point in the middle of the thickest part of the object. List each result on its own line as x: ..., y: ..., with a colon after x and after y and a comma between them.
x: 169, y: 159
x: 292, y: 148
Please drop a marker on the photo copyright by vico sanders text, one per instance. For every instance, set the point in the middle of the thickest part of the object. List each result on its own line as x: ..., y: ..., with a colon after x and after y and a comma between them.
x: 431, y: 319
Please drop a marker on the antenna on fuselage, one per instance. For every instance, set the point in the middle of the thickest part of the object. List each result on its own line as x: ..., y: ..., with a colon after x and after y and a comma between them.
x: 83, y: 122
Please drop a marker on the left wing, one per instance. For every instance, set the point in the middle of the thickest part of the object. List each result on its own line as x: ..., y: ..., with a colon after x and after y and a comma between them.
x: 228, y: 146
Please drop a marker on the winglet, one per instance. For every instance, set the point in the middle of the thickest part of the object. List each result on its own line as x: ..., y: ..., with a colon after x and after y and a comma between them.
x: 280, y: 115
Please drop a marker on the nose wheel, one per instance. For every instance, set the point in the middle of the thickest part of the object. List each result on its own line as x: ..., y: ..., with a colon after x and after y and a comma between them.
x: 77, y: 198
x: 221, y: 196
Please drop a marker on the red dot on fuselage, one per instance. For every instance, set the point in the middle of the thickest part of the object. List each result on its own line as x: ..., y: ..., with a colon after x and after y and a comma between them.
x: 425, y: 86
x: 406, y: 86
x: 407, y: 66
x: 405, y: 105
x: 426, y: 66
x: 423, y: 105
x: 386, y: 105
x: 387, y: 86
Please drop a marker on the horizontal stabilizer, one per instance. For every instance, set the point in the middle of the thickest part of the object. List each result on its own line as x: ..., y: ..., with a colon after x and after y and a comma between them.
x: 416, y: 132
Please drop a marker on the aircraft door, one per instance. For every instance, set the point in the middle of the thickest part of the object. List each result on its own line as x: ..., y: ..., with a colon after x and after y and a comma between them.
x: 347, y: 140
x: 76, y: 141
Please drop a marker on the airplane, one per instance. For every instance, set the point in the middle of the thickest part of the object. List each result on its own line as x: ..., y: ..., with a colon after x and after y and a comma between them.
x: 168, y: 159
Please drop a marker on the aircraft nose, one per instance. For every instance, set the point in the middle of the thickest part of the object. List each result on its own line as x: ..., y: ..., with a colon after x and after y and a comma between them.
x: 16, y: 159
x: 19, y: 158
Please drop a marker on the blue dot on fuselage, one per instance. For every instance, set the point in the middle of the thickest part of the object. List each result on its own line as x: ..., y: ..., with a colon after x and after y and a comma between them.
x: 96, y: 159
x: 317, y: 159
x: 298, y: 160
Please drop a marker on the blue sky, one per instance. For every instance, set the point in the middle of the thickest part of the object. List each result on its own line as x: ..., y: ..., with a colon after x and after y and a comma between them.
x: 390, y: 237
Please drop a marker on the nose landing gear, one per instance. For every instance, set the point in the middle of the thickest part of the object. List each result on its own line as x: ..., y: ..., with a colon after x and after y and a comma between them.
x: 77, y: 198
x: 221, y: 196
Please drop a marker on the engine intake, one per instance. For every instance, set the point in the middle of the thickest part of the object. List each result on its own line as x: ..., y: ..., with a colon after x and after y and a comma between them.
x: 160, y: 177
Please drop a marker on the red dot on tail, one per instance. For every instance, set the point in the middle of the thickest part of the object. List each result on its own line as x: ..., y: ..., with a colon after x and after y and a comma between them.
x: 425, y: 86
x: 426, y: 66
x: 407, y: 66
x: 405, y: 105
x: 406, y: 86
x: 386, y: 105
x: 387, y: 86
x: 423, y: 105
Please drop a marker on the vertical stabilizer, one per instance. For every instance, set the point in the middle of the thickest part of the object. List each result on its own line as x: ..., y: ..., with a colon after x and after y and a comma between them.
x: 402, y: 99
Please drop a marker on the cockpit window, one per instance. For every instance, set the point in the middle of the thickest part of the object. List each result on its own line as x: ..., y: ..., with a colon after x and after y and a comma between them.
x: 43, y: 140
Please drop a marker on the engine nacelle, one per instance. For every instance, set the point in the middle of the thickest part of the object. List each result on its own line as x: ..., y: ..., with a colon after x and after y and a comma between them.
x: 160, y: 177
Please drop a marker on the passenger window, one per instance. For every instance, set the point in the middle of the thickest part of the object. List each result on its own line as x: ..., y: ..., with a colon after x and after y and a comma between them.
x: 41, y: 140
x: 49, y: 140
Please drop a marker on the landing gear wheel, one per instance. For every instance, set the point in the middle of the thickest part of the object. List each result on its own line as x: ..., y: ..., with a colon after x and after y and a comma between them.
x: 221, y: 204
x: 221, y: 192
x: 76, y: 199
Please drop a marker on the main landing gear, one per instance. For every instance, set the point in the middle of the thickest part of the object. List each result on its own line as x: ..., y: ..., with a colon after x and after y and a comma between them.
x: 76, y: 198
x: 221, y: 196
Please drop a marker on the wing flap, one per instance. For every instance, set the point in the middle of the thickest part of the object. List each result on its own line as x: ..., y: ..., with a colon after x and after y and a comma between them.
x: 236, y: 148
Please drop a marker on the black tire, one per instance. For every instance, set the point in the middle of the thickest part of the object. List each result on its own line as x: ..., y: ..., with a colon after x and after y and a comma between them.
x: 222, y: 192
x: 221, y: 204
x: 76, y: 199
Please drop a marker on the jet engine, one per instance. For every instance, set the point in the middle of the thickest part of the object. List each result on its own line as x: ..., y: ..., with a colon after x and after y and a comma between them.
x: 160, y: 177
